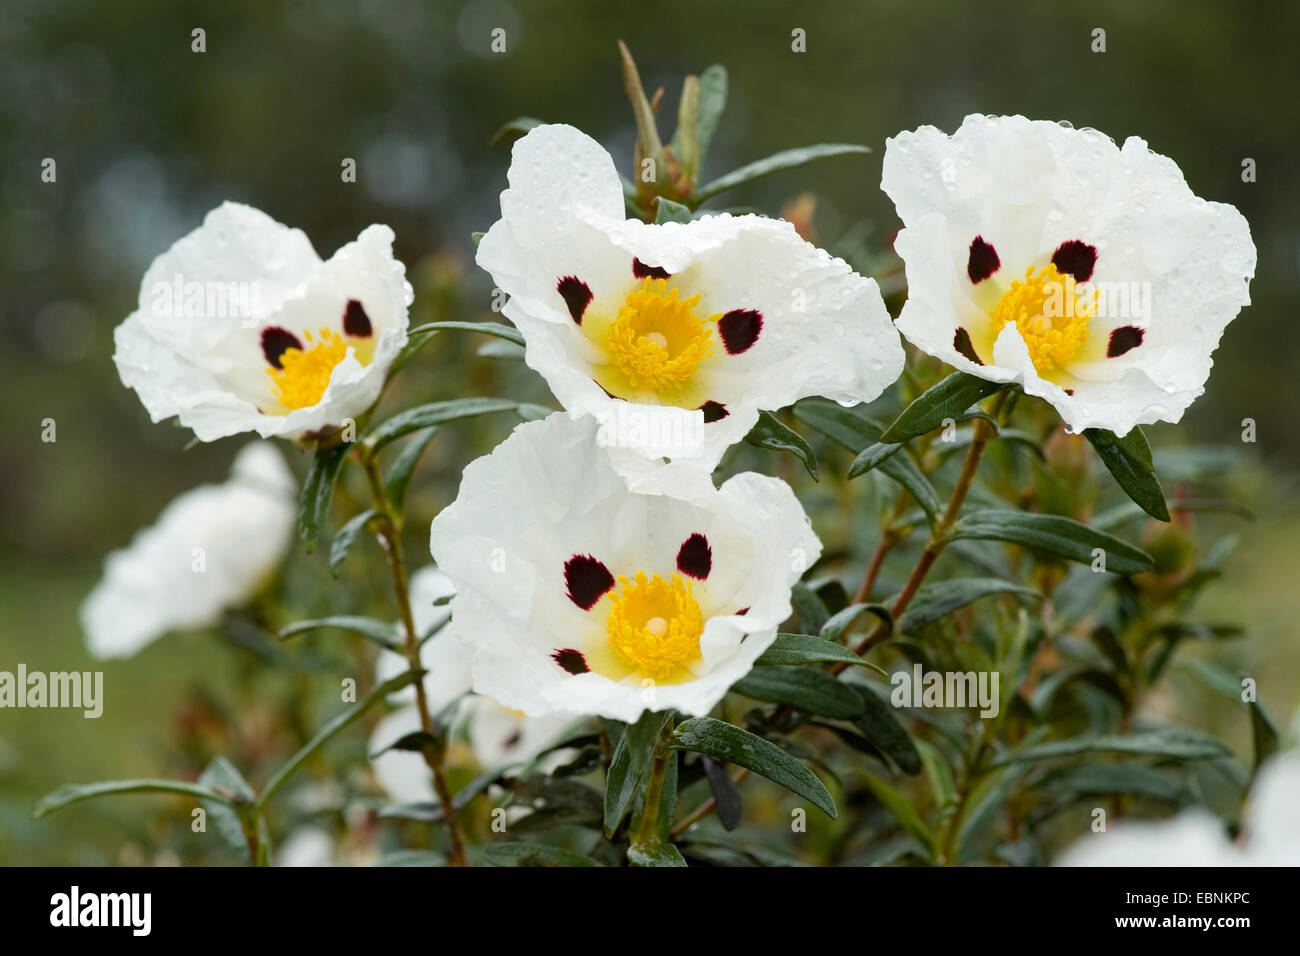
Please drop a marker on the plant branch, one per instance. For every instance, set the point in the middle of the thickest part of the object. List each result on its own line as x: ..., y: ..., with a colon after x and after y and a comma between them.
x: 391, y: 541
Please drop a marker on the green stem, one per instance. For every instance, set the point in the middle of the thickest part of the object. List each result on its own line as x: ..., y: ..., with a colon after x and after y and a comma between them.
x: 392, y: 543
x: 654, y: 789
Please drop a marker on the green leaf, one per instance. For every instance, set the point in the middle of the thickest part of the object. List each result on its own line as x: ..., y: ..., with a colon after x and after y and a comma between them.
x: 989, y: 794
x: 949, y: 399
x: 434, y: 413
x: 411, y: 858
x: 901, y: 810
x: 514, y: 129
x: 668, y: 211
x: 723, y: 741
x: 414, y: 342
x: 713, y: 100
x: 497, y: 330
x: 807, y: 689
x: 331, y: 728
x: 530, y: 412
x: 381, y: 632
x: 641, y: 737
x: 786, y: 159
x: 1112, y: 777
x: 1174, y: 743
x: 220, y: 774
x: 76, y: 792
x: 347, y: 535
x: 398, y: 479
x: 1263, y: 733
x: 1054, y: 534
x: 880, y: 725
x: 809, y: 649
x: 318, y: 492
x: 620, y: 786
x: 851, y: 428
x: 941, y: 598
x: 809, y: 606
x: 726, y: 796
x: 417, y: 741
x: 770, y: 432
x: 1128, y: 459
x: 658, y: 853
x: 839, y: 622
x: 871, y: 456
x: 534, y: 854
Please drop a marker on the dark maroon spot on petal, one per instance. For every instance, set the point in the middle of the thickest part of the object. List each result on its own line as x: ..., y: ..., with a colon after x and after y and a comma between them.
x: 1123, y: 339
x: 695, y: 557
x: 275, y: 341
x: 961, y: 342
x: 983, y: 260
x: 576, y: 295
x: 739, y: 329
x: 587, y: 580
x: 571, y: 660
x: 743, y: 610
x: 643, y: 271
x: 714, y: 411
x: 355, y: 320
x: 1069, y: 391
x: 513, y: 741
x: 1075, y: 257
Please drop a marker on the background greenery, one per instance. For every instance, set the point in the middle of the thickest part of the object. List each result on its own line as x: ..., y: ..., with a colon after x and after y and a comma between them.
x: 148, y: 136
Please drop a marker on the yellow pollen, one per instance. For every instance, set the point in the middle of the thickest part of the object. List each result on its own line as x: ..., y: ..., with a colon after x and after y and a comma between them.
x: 655, y: 625
x: 304, y: 374
x: 658, y: 341
x: 1052, y: 319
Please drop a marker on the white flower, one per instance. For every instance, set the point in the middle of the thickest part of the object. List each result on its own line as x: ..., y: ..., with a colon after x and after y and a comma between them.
x: 1048, y: 256
x: 1271, y: 831
x: 211, y: 549
x: 241, y: 327
x: 725, y: 314
x: 497, y: 736
x: 581, y: 596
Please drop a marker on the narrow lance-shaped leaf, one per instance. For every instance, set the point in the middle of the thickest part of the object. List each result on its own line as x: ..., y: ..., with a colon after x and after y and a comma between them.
x: 347, y: 536
x: 713, y: 100
x: 723, y: 741
x: 76, y: 792
x: 880, y: 725
x: 941, y: 598
x: 948, y: 399
x: 805, y: 688
x: 809, y: 649
x: 770, y: 432
x: 534, y: 854
x: 318, y: 492
x: 668, y: 211
x: 1128, y: 459
x: 726, y: 796
x: 497, y: 330
x: 514, y: 129
x: 434, y: 413
x: 381, y: 632
x: 786, y: 159
x: 1173, y: 743
x: 398, y: 479
x: 329, y: 730
x: 1053, y: 534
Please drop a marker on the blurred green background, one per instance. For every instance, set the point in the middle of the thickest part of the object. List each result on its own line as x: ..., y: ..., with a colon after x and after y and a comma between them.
x: 148, y: 136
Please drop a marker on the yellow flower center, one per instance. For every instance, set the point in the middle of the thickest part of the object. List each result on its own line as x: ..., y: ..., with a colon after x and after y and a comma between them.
x: 655, y: 625
x: 658, y: 341
x: 1051, y: 317
x: 304, y: 374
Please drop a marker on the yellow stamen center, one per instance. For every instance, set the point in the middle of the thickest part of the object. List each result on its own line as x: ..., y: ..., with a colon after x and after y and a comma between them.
x: 655, y: 625
x: 1051, y: 317
x: 304, y: 374
x: 658, y: 341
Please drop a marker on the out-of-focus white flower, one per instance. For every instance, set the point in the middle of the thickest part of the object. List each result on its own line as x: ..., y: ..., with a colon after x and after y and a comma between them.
x: 241, y: 327
x: 1270, y: 831
x: 210, y: 550
x: 581, y: 596
x: 497, y: 736
x: 725, y: 314
x: 1048, y: 256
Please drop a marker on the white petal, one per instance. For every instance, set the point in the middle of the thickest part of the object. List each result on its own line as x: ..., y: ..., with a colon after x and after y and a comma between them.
x: 1193, y: 838
x: 1273, y: 813
x: 211, y: 549
x: 402, y: 773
